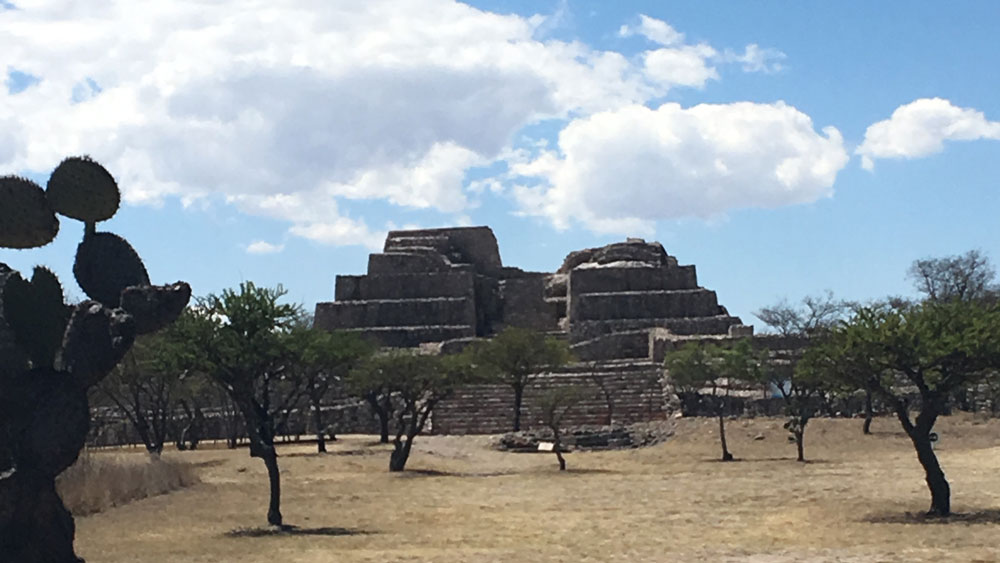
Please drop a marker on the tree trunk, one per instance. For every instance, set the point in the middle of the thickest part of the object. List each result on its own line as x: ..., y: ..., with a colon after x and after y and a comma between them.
x: 518, y: 398
x: 726, y: 456
x: 274, y: 478
x: 383, y: 423
x: 936, y: 482
x: 798, y: 443
x: 867, y: 428
x: 320, y: 431
x: 557, y: 447
x: 400, y: 453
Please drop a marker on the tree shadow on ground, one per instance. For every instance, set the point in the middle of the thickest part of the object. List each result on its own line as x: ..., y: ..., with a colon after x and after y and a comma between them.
x: 334, y: 453
x: 765, y: 459
x: 289, y: 530
x: 988, y: 516
x: 208, y: 463
x: 436, y: 473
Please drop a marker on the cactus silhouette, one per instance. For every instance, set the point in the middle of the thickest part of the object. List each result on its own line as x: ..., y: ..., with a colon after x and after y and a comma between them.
x: 51, y: 352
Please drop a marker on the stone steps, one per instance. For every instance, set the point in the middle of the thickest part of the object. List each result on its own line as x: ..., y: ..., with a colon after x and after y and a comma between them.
x: 397, y: 312
x: 413, y: 336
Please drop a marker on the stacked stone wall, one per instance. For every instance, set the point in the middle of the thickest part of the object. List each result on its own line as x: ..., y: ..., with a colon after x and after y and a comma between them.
x: 489, y: 409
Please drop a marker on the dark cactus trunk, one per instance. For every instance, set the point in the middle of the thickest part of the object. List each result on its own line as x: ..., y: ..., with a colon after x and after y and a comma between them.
x: 518, y: 398
x: 38, y: 528
x: 274, y: 478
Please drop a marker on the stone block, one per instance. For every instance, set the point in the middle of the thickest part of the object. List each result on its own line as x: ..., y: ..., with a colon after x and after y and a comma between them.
x: 476, y: 245
x: 414, y: 336
x: 397, y: 312
x: 603, y: 280
x: 643, y: 304
x: 714, y: 325
x: 524, y: 303
x: 406, y: 263
x: 404, y: 286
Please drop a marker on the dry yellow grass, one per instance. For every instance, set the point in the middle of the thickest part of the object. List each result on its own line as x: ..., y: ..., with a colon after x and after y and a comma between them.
x: 461, y: 501
x: 99, y: 481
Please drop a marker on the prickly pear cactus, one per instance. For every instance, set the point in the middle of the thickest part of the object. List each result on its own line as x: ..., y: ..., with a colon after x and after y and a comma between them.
x: 51, y: 352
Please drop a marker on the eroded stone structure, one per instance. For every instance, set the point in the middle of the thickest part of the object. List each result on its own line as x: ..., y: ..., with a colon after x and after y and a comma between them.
x: 437, y: 285
x: 614, y: 304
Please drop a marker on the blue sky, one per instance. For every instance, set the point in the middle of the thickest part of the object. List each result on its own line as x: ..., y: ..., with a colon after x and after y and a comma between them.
x: 783, y: 148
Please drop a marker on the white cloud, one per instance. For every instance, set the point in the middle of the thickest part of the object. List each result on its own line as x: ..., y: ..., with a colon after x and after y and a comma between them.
x: 757, y: 59
x: 657, y: 31
x: 921, y: 127
x: 682, y: 66
x: 291, y: 108
x: 621, y: 170
x: 264, y: 247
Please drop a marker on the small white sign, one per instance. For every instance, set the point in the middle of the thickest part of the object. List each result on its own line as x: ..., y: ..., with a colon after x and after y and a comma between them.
x: 546, y: 446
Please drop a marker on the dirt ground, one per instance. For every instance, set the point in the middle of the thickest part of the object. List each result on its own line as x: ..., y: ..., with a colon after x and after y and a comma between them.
x: 858, y: 500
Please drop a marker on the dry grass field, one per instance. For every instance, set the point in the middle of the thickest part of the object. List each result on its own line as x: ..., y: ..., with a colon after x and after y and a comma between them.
x: 857, y: 501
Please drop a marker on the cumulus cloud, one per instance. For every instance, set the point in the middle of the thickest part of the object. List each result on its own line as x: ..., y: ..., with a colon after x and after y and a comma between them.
x: 921, y: 127
x: 757, y: 59
x: 685, y: 66
x: 291, y: 109
x: 621, y: 170
x: 657, y: 31
x: 264, y: 247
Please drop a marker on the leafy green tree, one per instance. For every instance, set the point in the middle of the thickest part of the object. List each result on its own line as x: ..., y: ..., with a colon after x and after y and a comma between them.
x: 414, y: 385
x: 698, y: 365
x: 240, y: 339
x: 801, y: 387
x: 932, y: 347
x: 554, y: 404
x: 516, y: 356
x: 321, y: 360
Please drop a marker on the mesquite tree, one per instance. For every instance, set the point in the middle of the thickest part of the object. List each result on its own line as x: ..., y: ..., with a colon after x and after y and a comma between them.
x: 932, y: 347
x: 51, y: 353
x: 414, y: 385
x: 321, y: 360
x: 240, y: 339
x: 143, y: 388
x: 516, y: 356
x: 801, y: 387
x: 554, y: 404
x: 698, y: 366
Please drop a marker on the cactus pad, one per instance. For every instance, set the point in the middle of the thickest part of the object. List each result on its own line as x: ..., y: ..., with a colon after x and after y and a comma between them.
x: 96, y: 339
x: 105, y: 265
x: 155, y: 306
x: 82, y: 189
x: 36, y: 315
x: 26, y: 219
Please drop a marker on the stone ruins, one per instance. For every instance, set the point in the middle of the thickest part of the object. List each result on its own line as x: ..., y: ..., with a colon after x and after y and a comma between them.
x: 619, y: 307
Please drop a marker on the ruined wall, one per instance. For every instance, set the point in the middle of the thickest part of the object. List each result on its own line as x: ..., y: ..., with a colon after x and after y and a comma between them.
x: 489, y: 409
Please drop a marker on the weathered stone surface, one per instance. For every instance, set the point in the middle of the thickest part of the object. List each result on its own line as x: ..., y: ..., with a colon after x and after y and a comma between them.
x: 470, y: 245
x: 635, y: 252
x: 524, y: 303
x: 716, y: 325
x: 397, y: 312
x: 603, y: 280
x: 405, y: 286
x: 643, y: 305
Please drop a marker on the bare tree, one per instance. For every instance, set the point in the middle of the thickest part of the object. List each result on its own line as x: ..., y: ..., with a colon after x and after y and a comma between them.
x: 965, y: 277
